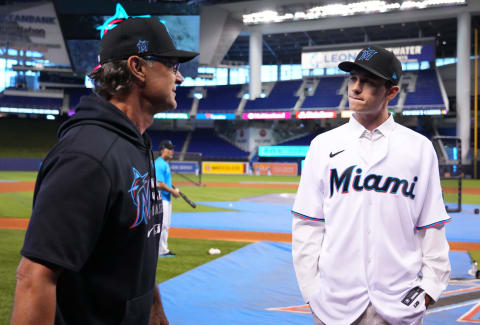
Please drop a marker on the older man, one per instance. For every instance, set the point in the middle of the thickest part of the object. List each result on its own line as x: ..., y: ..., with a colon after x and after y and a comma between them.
x: 90, y: 251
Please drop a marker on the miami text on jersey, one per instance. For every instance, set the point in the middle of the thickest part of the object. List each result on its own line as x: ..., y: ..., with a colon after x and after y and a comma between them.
x: 370, y: 182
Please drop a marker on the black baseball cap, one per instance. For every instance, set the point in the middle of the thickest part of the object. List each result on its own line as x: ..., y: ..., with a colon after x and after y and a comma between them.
x: 143, y: 37
x: 166, y: 144
x: 378, y: 61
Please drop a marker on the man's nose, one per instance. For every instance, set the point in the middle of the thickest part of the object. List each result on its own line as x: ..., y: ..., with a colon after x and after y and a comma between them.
x: 357, y: 86
x: 179, y: 78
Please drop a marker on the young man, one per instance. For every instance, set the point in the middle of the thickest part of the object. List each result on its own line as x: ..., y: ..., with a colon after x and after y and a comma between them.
x: 90, y: 251
x: 164, y: 183
x: 369, y: 242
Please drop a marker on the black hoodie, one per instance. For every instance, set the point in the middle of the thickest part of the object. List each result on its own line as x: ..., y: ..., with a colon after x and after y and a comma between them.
x: 95, y: 217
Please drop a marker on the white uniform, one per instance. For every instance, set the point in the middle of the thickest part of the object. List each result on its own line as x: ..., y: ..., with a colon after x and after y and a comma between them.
x: 363, y: 205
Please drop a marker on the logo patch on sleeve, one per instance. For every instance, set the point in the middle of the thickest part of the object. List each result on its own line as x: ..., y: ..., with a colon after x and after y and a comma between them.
x: 411, y: 296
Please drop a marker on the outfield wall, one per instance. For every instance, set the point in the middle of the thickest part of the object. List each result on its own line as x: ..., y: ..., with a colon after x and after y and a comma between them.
x: 20, y: 164
x: 242, y: 168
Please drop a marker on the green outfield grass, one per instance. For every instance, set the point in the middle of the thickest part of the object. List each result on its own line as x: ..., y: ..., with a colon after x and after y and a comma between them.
x: 471, y: 183
x: 10, y: 243
x: 16, y: 205
x: 18, y: 176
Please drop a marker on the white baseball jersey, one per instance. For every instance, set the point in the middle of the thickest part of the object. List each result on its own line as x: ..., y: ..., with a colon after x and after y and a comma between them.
x: 359, y: 223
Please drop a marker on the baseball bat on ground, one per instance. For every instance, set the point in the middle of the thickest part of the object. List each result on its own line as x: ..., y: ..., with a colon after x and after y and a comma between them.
x: 192, y: 204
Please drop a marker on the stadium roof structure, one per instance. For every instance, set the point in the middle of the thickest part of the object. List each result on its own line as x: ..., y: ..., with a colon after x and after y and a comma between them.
x: 283, y: 42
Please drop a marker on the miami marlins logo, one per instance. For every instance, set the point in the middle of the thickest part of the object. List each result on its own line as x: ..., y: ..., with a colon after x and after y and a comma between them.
x: 140, y: 193
x: 142, y: 46
x: 369, y: 183
x: 367, y: 54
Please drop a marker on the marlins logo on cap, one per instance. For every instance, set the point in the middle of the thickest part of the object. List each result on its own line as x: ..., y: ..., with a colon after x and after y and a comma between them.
x: 367, y: 54
x: 378, y: 61
x: 142, y: 46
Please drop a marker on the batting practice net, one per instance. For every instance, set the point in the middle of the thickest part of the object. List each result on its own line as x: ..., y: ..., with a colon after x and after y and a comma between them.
x: 449, y: 152
x: 187, y: 166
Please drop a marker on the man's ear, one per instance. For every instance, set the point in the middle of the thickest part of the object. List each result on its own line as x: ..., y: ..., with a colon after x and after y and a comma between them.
x: 136, y: 65
x: 392, y: 92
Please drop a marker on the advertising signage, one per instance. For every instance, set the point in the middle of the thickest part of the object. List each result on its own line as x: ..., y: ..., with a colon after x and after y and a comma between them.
x: 267, y: 116
x: 331, y: 59
x: 214, y: 167
x: 215, y: 116
x: 172, y: 116
x: 282, y: 151
x: 275, y: 169
x: 303, y: 115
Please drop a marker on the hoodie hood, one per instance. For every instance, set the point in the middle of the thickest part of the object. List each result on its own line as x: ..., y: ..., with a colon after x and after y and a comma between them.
x: 95, y: 110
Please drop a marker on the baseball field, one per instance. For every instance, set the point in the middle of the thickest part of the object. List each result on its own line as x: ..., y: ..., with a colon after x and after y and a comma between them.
x: 191, y: 245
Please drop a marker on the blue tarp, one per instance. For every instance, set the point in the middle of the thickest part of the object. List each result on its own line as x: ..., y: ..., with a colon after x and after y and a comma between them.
x: 239, y: 288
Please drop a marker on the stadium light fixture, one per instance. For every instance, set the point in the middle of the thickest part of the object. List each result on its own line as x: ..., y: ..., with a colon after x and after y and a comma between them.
x: 339, y: 10
x: 198, y: 95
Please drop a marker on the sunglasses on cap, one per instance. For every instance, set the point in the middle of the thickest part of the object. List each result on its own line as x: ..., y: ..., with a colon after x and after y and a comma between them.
x: 169, y: 63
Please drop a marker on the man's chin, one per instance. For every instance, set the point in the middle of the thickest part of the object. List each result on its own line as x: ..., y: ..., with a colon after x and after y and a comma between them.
x: 166, y: 109
x: 355, y: 108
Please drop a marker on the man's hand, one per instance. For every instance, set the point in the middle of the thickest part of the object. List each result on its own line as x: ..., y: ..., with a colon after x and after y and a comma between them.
x: 158, y: 319
x: 176, y: 192
x: 157, y: 315
x: 428, y: 300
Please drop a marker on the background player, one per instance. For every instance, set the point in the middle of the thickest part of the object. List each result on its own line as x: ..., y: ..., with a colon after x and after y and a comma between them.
x: 369, y: 242
x: 164, y: 182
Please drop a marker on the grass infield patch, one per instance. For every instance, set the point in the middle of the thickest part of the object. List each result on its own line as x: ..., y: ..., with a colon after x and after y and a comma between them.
x: 475, y: 255
x: 190, y: 254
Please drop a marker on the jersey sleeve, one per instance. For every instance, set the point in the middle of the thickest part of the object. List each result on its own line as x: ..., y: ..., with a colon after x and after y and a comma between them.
x: 69, y: 211
x: 308, y: 226
x: 432, y: 211
x: 309, y: 199
x: 160, y: 171
x: 436, y: 267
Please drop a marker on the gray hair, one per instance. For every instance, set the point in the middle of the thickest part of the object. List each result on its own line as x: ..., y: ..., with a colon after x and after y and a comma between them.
x: 113, y: 79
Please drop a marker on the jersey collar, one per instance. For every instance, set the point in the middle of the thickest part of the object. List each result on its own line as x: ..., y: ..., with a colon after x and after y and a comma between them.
x: 385, y: 128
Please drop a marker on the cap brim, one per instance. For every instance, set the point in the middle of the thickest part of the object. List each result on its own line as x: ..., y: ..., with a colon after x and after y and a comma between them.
x: 349, y: 66
x: 182, y: 56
